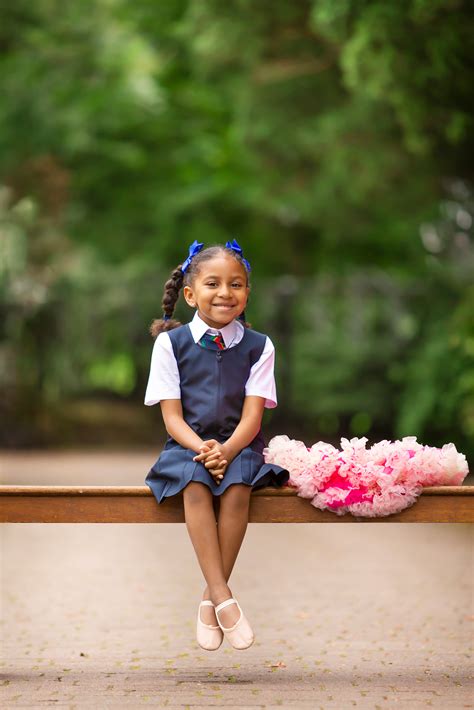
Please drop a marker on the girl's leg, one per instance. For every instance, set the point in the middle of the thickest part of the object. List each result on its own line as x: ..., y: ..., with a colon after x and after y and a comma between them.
x: 232, y: 523
x: 201, y: 524
x: 231, y: 527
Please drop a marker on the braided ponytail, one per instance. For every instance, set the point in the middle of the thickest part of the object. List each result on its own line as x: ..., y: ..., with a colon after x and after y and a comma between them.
x: 170, y: 296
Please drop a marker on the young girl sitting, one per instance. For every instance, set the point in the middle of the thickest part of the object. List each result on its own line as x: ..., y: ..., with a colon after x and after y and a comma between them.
x: 213, y: 377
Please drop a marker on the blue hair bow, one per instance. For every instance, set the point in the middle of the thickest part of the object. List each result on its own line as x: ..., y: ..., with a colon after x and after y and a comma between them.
x: 194, y: 249
x: 234, y: 245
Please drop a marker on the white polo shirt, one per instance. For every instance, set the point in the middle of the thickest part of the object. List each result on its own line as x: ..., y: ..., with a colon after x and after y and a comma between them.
x: 163, y: 380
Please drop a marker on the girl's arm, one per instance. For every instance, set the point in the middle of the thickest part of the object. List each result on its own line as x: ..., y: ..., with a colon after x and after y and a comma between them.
x: 176, y: 427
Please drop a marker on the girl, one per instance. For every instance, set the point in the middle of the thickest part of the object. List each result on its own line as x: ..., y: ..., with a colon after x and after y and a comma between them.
x: 213, y: 377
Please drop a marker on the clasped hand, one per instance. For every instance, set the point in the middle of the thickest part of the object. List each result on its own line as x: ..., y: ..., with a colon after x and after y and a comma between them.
x: 214, y: 457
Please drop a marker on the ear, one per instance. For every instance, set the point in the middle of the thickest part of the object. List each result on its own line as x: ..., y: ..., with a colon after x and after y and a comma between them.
x: 189, y: 296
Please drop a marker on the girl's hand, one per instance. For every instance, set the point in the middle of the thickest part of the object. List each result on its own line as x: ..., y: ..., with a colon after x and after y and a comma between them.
x: 212, y: 457
x: 218, y: 472
x: 216, y: 464
x: 210, y: 451
x: 215, y: 447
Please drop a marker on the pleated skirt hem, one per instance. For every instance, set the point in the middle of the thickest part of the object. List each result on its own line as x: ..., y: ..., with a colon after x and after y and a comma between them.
x: 165, y: 483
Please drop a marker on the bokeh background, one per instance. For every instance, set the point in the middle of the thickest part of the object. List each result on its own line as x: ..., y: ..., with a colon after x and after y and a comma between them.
x: 333, y: 140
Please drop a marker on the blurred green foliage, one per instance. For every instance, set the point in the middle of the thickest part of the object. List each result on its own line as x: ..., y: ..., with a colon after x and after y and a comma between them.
x: 332, y: 139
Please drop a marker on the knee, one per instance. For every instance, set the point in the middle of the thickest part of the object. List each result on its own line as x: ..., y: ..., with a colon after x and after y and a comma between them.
x: 236, y: 498
x: 196, y: 493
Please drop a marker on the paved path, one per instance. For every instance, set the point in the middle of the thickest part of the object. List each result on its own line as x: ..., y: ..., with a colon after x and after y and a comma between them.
x: 345, y: 616
x: 76, y: 467
x: 102, y: 616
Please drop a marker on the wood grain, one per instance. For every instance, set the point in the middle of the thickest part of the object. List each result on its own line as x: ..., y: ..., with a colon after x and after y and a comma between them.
x: 136, y: 504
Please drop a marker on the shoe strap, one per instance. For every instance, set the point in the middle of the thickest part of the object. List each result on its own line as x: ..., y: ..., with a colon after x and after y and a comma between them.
x: 206, y: 602
x: 226, y: 603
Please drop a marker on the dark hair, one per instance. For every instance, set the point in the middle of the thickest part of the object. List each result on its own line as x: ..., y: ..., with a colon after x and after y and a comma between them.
x: 177, y: 280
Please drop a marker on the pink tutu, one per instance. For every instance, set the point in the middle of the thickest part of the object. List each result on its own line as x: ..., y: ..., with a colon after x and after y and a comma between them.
x: 384, y: 479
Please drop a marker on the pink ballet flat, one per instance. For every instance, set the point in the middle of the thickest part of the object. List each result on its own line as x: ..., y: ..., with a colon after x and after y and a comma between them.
x: 208, y: 637
x: 240, y: 635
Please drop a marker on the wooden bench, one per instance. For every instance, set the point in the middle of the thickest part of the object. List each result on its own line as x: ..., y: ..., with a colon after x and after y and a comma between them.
x: 136, y: 504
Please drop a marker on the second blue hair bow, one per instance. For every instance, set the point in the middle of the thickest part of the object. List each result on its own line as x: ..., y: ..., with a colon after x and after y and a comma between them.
x: 194, y: 249
x: 235, y: 246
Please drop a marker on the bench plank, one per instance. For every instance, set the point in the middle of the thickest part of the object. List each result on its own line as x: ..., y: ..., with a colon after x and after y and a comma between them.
x: 136, y: 504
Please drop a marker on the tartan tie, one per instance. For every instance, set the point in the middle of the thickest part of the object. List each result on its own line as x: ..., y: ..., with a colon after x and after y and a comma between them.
x: 212, y: 341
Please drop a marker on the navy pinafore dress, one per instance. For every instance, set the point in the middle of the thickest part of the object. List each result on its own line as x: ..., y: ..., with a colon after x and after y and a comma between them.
x: 212, y: 396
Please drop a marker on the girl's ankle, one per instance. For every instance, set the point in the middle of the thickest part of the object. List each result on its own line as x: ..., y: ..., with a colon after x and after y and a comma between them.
x: 219, y: 594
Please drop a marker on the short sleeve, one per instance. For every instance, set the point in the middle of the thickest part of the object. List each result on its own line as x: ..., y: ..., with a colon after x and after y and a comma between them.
x: 163, y: 380
x: 261, y: 381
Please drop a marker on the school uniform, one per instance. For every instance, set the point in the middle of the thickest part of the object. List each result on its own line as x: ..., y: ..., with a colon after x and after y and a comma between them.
x: 212, y: 386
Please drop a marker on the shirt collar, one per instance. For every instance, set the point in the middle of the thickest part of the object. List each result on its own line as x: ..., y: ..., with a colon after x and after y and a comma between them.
x: 198, y: 328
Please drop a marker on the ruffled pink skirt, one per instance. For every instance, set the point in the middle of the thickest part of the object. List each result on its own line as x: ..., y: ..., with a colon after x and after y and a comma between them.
x: 379, y: 481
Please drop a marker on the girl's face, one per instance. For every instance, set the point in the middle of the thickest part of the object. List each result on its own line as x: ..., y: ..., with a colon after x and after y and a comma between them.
x: 219, y: 291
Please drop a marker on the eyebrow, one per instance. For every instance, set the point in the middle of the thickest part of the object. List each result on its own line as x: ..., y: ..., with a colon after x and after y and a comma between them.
x: 218, y: 277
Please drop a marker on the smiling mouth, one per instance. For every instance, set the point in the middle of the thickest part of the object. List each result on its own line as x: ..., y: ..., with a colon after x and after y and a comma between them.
x: 223, y: 305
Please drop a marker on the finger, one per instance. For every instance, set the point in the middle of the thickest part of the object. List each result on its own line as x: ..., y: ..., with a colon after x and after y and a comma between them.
x: 210, y: 443
x: 213, y: 458
x: 217, y: 471
x: 215, y: 463
x: 216, y: 467
x: 214, y: 452
x: 218, y: 474
x: 204, y: 449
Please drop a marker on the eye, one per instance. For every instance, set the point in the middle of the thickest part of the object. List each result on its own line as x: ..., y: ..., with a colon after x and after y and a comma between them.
x: 211, y: 283
x: 237, y: 285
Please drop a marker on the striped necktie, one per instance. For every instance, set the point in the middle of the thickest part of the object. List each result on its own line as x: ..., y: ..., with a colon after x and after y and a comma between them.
x: 212, y: 341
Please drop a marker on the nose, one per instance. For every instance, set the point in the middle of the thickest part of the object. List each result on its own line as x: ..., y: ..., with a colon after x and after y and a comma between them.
x: 224, y: 291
